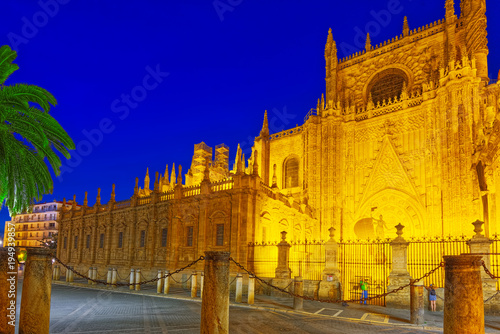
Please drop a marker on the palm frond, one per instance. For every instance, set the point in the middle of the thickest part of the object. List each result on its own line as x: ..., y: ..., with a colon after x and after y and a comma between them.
x: 7, y: 56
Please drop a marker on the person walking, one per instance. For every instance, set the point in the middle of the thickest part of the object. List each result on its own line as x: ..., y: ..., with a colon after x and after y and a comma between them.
x: 432, y: 297
x: 364, y: 291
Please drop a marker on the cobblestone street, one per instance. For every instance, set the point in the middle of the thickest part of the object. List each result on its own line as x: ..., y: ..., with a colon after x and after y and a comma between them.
x: 81, y: 310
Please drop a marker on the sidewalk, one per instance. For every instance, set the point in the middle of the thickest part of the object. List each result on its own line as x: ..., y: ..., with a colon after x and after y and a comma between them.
x: 353, y: 313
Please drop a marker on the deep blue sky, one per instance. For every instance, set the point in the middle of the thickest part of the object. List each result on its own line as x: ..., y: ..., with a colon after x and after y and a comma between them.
x: 224, y: 70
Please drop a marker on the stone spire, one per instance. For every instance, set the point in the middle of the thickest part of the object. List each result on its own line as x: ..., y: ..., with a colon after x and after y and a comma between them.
x: 450, y: 10
x: 113, y: 193
x: 98, y: 198
x: 406, y: 28
x: 156, y: 185
x: 206, y: 172
x: 73, y: 205
x: 237, y: 161
x: 179, y: 177
x: 265, y: 127
x: 166, y: 174
x: 146, y: 180
x: 255, y: 163
x: 368, y: 44
x: 85, y: 201
x: 173, y: 178
x: 136, y: 188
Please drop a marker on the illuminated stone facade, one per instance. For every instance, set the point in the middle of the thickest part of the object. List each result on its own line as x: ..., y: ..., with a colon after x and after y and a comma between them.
x: 407, y: 132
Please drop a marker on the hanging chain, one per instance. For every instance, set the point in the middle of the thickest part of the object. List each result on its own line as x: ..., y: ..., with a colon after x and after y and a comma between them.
x: 181, y: 281
x: 201, y: 258
x: 488, y: 271
x: 337, y: 300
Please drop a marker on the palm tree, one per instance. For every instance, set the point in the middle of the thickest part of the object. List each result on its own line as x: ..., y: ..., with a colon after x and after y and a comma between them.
x: 28, y: 136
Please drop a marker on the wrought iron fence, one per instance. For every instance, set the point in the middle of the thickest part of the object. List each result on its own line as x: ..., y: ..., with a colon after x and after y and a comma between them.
x: 370, y: 261
x: 263, y: 258
x: 495, y: 257
x: 307, y: 259
x: 427, y: 253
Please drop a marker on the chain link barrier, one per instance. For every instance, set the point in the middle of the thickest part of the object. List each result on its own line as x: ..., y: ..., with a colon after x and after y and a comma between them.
x: 121, y: 279
x: 488, y: 271
x: 181, y: 281
x: 201, y: 258
x: 336, y: 300
x: 496, y: 294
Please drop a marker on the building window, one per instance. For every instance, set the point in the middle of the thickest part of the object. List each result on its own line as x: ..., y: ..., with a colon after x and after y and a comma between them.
x: 189, y: 240
x: 386, y: 85
x: 220, y: 235
x: 291, y: 173
x: 164, y: 233
x: 120, y: 240
x: 52, y: 224
x: 87, y: 242
x: 65, y: 241
x: 101, y: 240
x: 143, y: 238
x: 50, y: 234
x: 76, y: 241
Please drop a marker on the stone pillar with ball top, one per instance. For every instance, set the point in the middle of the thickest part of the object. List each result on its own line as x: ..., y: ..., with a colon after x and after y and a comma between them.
x: 399, y: 275
x: 480, y: 244
x: 330, y: 283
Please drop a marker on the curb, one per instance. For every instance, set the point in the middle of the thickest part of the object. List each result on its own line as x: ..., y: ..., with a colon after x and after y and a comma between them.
x: 261, y: 308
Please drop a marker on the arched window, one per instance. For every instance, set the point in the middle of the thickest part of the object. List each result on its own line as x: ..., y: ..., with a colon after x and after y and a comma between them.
x: 291, y: 173
x: 387, y: 85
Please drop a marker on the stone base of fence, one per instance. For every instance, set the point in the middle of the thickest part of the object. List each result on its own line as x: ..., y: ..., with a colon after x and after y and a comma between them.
x: 329, y: 290
x: 283, y: 283
x: 400, y: 299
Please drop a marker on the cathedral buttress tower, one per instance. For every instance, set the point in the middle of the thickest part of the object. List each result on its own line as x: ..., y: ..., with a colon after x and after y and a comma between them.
x: 474, y: 21
x: 331, y: 69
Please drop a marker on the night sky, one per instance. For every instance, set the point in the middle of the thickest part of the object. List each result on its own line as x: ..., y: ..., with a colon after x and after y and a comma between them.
x: 198, y: 70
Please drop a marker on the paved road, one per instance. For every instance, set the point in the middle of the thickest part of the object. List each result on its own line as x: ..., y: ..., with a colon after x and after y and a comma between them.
x: 81, y: 310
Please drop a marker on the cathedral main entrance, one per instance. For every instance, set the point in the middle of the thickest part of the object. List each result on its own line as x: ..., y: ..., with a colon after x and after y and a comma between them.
x: 379, y: 215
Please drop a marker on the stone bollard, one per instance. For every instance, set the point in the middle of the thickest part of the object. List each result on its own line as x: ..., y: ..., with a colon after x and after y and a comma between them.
x: 166, y: 283
x: 90, y: 274
x: 417, y: 303
x: 66, y: 278
x: 215, y: 305
x: 35, y: 300
x: 463, y: 295
x: 70, y: 275
x: 94, y: 275
x: 132, y: 279
x: 8, y: 289
x: 54, y: 272
x: 298, y: 288
x: 239, y: 288
x: 114, y: 277
x: 251, y: 289
x: 137, y: 279
x: 58, y: 273
x: 201, y: 285
x: 109, y: 276
x: 194, y: 285
x: 159, y: 283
